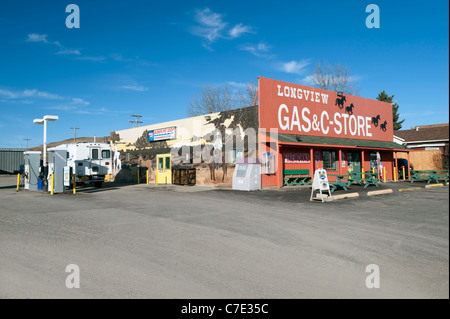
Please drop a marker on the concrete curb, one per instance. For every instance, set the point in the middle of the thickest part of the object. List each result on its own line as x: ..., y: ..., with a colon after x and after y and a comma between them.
x: 380, y: 192
x: 434, y: 185
x: 344, y: 196
x: 409, y: 189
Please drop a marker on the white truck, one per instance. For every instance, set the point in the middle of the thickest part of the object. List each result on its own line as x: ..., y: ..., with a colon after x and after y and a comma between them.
x: 90, y: 162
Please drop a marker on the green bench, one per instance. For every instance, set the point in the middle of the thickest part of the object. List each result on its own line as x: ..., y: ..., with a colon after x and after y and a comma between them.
x: 296, y: 177
x: 429, y: 176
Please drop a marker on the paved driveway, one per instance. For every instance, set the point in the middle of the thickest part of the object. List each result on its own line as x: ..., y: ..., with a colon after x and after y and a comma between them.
x: 139, y: 241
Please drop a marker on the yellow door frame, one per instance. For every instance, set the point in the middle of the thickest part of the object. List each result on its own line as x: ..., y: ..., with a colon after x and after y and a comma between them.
x: 164, y: 168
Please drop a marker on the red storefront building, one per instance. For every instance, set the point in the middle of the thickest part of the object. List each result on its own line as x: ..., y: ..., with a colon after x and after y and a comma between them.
x: 323, y: 129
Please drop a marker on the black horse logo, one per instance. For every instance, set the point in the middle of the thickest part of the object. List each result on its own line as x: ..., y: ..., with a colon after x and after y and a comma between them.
x: 349, y: 109
x: 383, y: 126
x: 340, y: 102
x: 375, y: 120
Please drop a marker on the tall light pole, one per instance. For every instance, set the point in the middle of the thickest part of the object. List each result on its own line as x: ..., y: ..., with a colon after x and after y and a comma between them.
x: 44, y: 121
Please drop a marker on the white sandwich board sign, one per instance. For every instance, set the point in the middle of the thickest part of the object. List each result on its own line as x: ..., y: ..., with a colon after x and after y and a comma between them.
x: 320, y: 183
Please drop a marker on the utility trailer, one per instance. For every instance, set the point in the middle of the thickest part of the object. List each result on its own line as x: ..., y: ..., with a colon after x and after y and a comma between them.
x: 90, y: 162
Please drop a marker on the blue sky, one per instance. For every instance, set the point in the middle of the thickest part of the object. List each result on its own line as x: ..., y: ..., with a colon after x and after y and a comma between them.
x: 149, y: 57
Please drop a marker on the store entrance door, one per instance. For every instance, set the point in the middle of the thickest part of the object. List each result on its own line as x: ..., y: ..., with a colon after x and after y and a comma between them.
x: 354, y: 161
x: 164, y: 171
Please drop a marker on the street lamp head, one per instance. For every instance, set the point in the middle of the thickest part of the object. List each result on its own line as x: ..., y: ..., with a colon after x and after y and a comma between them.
x: 51, y: 117
x: 38, y: 121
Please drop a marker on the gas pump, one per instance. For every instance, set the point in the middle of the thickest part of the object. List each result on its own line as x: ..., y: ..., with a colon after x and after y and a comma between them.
x: 57, y: 160
x: 31, y: 170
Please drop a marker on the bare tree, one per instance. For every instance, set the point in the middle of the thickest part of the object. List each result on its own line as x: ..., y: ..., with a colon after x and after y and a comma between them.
x: 334, y: 78
x: 212, y: 99
x: 246, y: 95
x: 222, y: 98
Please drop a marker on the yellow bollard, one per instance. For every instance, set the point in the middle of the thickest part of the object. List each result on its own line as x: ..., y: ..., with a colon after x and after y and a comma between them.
x: 74, y: 184
x: 18, y: 181
x: 373, y: 170
x: 363, y: 175
x: 403, y: 173
x: 138, y: 175
x: 384, y: 173
x: 51, y: 185
x: 395, y: 174
x: 147, y: 177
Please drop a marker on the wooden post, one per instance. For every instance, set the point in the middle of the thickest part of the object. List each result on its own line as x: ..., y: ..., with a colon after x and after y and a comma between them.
x: 138, y: 175
x: 409, y: 166
x: 395, y: 166
x: 362, y: 161
x: 279, y: 172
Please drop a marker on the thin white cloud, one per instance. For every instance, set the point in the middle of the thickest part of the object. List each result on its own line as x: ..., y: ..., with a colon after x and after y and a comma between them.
x: 260, y: 50
x: 92, y: 58
x: 29, y: 93
x: 77, y: 100
x: 296, y: 67
x: 238, y: 85
x: 69, y: 52
x: 308, y: 80
x: 62, y: 107
x: 137, y: 88
x: 34, y: 37
x: 211, y: 26
x: 239, y: 29
x: 119, y: 58
x: 8, y: 94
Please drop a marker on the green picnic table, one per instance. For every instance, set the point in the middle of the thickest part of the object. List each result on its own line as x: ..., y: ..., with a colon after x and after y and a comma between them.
x: 429, y: 175
x: 338, y: 183
x: 355, y: 177
x: 369, y: 179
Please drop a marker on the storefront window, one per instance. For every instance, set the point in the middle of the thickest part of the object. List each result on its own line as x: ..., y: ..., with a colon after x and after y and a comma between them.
x: 329, y: 159
x: 373, y: 161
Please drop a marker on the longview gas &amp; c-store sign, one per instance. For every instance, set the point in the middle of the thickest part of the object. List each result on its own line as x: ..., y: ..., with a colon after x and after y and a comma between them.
x: 298, y: 109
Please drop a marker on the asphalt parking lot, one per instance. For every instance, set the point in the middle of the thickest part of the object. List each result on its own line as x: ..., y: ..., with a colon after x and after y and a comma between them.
x: 142, y: 241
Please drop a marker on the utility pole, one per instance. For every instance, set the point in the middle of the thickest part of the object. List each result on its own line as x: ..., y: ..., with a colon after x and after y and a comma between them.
x: 135, y: 121
x: 74, y: 133
x: 27, y: 139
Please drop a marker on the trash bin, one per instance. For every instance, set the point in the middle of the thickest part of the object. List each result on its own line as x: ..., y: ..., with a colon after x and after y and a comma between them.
x: 39, y: 184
